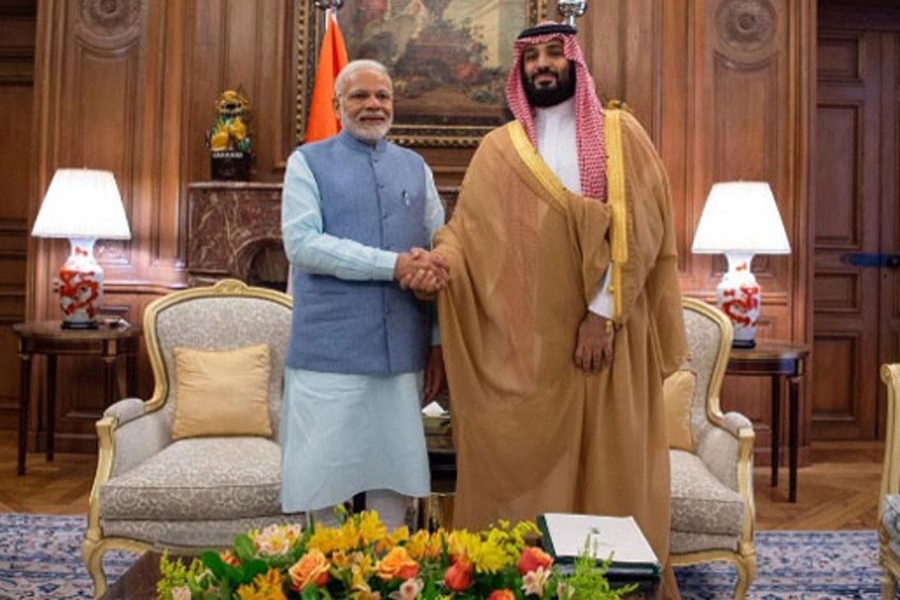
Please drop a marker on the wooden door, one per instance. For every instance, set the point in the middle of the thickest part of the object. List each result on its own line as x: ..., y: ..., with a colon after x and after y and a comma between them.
x: 854, y: 306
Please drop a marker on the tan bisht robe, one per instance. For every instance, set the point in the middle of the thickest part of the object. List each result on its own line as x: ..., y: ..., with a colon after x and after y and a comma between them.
x: 533, y: 433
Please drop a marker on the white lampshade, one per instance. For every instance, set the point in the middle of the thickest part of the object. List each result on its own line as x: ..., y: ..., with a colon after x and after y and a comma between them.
x: 82, y: 203
x: 741, y: 216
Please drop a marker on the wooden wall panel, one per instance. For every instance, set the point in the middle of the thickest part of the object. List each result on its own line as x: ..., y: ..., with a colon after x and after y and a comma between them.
x: 17, y: 33
x: 746, y: 115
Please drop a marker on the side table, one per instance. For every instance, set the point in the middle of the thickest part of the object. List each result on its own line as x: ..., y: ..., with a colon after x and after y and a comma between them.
x: 779, y: 360
x: 49, y: 338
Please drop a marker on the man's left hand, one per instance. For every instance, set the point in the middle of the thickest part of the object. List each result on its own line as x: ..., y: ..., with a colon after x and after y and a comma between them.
x: 594, y: 347
x: 434, y: 373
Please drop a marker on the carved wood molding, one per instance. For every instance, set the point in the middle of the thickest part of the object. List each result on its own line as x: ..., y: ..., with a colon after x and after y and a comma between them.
x: 747, y: 25
x: 111, y: 18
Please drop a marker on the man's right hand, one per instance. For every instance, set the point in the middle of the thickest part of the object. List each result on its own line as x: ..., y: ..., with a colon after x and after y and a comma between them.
x: 422, y: 272
x: 595, y: 343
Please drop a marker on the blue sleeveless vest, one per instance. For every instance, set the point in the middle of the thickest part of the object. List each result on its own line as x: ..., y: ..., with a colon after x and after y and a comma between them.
x: 374, y: 195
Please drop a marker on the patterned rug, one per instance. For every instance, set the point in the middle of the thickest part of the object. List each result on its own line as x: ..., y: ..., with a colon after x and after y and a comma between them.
x: 40, y: 557
x: 799, y: 565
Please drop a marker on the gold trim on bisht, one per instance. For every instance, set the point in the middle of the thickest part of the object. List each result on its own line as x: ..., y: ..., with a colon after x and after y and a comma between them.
x: 536, y: 164
x: 618, y: 231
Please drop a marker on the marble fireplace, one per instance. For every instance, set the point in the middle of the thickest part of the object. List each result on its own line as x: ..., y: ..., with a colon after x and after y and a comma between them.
x: 234, y: 230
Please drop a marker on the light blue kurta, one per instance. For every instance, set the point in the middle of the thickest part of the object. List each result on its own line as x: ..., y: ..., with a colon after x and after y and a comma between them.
x: 342, y: 434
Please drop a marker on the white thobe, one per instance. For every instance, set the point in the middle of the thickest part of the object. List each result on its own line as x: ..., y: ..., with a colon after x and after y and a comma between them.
x: 554, y: 128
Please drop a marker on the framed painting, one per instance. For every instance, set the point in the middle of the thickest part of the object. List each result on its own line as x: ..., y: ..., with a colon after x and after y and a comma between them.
x: 448, y: 59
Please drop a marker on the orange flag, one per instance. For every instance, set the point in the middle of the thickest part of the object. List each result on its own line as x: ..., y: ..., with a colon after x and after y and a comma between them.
x: 323, y: 121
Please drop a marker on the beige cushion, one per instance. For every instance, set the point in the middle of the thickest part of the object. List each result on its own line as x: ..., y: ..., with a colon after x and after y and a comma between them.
x: 221, y: 392
x: 678, y: 393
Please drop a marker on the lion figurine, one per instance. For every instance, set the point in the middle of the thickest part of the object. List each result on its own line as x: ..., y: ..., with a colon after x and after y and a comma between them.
x: 230, y: 130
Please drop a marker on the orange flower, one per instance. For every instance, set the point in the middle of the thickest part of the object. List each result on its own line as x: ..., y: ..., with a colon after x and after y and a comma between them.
x: 435, y: 545
x: 397, y: 564
x: 532, y: 558
x: 229, y: 559
x: 311, y: 568
x: 459, y: 576
x: 503, y: 594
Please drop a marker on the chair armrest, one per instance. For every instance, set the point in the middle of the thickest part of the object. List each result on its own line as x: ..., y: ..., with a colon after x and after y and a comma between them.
x: 719, y: 447
x: 129, y: 435
x: 125, y: 410
x: 139, y: 438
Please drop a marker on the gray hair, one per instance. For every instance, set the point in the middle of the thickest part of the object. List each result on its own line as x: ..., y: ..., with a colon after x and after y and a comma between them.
x: 363, y: 64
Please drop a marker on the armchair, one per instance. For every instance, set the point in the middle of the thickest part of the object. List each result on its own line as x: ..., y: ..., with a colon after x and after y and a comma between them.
x: 712, y: 485
x: 194, y: 493
x: 889, y: 510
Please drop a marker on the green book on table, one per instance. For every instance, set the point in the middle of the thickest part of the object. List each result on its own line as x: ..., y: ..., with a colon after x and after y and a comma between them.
x: 566, y: 536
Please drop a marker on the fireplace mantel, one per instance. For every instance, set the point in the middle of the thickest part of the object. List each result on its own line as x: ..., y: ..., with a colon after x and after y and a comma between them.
x: 228, y: 225
x: 232, y: 225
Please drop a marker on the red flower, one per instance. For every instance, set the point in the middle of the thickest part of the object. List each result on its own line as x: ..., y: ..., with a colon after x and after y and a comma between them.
x: 503, y: 594
x: 532, y: 558
x: 459, y: 576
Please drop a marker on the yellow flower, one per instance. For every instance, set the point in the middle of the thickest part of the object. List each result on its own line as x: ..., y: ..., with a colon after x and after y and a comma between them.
x: 326, y: 540
x: 351, y: 537
x: 488, y: 557
x: 371, y: 528
x: 359, y: 586
x: 399, y: 535
x: 461, y: 543
x: 264, y: 587
x: 359, y: 564
x: 417, y: 544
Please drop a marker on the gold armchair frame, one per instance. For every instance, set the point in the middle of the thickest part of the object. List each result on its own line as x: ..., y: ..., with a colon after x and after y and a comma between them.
x: 890, y: 479
x: 744, y: 558
x: 95, y: 545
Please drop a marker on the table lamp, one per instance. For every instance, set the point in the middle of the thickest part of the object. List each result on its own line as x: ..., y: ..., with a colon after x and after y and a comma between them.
x: 740, y: 219
x: 82, y: 205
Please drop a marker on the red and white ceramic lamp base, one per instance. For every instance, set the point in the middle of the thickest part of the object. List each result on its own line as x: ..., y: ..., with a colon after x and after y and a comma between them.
x: 738, y: 296
x: 80, y: 286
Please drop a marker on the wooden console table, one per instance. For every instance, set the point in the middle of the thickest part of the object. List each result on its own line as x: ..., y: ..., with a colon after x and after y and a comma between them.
x: 50, y: 339
x: 778, y: 360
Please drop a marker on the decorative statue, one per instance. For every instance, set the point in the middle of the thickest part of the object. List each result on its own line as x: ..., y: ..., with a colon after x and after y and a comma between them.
x: 229, y: 139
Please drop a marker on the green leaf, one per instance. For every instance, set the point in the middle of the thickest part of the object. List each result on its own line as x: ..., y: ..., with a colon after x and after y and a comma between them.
x: 225, y: 590
x: 244, y: 549
x: 310, y: 592
x: 253, y: 568
x: 214, y: 563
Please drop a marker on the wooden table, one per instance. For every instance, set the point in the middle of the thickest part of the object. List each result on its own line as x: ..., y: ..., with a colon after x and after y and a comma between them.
x: 139, y: 581
x: 781, y: 361
x: 108, y: 342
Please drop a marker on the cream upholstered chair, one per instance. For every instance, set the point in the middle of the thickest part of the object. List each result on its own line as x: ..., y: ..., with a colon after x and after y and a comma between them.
x: 889, y: 514
x: 712, y: 485
x: 193, y: 493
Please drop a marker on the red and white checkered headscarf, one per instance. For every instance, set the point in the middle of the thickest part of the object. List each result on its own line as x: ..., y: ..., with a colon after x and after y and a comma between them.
x: 589, y: 131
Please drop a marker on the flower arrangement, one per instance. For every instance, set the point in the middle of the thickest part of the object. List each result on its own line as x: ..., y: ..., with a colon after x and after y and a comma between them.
x: 362, y: 560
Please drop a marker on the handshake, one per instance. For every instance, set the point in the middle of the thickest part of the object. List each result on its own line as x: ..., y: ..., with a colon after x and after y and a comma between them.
x: 421, y: 271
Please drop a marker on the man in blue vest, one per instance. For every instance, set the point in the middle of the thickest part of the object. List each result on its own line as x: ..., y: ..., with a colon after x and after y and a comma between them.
x: 358, y: 213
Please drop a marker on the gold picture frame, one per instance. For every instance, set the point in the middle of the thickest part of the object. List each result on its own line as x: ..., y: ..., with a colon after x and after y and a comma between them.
x: 448, y: 58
